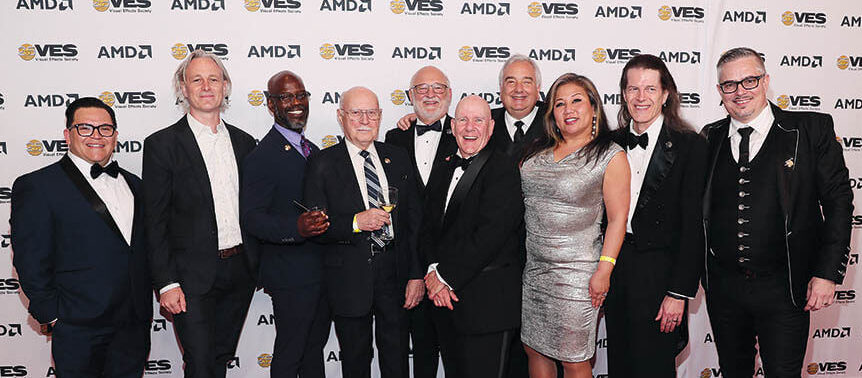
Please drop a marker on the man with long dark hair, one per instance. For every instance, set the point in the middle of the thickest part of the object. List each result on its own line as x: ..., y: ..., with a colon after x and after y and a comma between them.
x: 661, y: 257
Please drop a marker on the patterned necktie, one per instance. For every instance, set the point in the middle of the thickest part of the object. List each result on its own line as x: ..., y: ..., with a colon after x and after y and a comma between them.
x: 745, y: 132
x: 306, y: 146
x: 519, y: 134
x: 372, y: 183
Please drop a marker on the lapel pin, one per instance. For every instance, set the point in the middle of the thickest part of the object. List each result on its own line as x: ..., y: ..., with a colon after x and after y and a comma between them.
x: 386, y: 161
x: 668, y: 144
x: 788, y: 163
x: 287, y: 147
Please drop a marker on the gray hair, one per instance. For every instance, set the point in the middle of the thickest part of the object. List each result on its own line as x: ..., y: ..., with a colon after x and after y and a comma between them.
x: 739, y: 53
x: 180, y: 77
x: 522, y: 58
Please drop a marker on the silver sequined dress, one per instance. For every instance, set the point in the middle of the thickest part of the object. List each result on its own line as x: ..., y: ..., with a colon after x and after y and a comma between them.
x: 564, y: 209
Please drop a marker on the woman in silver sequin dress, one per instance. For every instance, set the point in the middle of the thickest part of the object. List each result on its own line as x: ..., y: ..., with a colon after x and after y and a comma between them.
x: 568, y: 178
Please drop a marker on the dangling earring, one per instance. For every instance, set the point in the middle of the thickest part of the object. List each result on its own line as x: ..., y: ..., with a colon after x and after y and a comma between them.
x: 595, y: 130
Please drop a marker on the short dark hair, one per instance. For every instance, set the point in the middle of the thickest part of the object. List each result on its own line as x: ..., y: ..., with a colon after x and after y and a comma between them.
x: 739, y: 53
x: 88, y: 102
x: 670, y: 109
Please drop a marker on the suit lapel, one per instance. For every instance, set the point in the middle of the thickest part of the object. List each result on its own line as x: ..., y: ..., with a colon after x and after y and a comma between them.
x: 346, y: 175
x: 90, y: 194
x: 190, y: 146
x: 715, y: 138
x: 785, y: 152
x: 137, y: 217
x: 660, y: 163
x: 445, y: 148
x: 464, y: 185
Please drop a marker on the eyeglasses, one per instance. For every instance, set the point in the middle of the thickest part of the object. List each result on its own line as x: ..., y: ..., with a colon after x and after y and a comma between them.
x: 288, y: 97
x: 749, y: 83
x: 87, y: 130
x: 423, y: 88
x: 356, y: 114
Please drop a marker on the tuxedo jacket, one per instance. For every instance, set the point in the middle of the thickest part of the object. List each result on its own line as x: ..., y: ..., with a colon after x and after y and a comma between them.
x: 72, y: 260
x: 331, y: 183
x: 182, y: 236
x: 476, y: 242
x: 406, y: 139
x: 501, y: 136
x: 667, y: 214
x: 813, y: 193
x: 272, y: 181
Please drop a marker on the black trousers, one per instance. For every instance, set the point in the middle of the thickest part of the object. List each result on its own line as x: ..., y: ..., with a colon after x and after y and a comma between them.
x: 301, y: 331
x: 635, y: 341
x: 100, y: 351
x: 390, y: 328
x: 486, y: 355
x: 745, y: 310
x: 423, y: 334
x: 209, y: 329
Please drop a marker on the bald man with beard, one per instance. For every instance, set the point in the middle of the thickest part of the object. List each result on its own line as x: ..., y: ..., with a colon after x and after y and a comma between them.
x: 428, y: 140
x: 291, y: 269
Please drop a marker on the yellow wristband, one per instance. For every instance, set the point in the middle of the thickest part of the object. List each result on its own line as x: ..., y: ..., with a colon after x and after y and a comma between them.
x: 609, y: 259
x: 356, y: 229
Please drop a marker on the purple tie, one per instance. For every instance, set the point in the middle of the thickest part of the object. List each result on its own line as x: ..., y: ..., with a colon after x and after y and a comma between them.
x: 306, y: 147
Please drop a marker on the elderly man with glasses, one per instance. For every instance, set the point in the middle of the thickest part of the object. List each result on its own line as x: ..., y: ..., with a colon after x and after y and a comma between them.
x: 776, y: 216
x: 371, y: 269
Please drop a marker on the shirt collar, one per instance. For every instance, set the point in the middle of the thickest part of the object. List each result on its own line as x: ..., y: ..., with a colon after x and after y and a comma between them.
x: 761, y: 123
x: 83, y: 166
x: 528, y: 119
x: 199, y: 128
x: 353, y: 150
x: 653, y: 130
x: 293, y: 137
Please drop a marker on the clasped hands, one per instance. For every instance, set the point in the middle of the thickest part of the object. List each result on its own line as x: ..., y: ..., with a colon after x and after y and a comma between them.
x: 438, y: 292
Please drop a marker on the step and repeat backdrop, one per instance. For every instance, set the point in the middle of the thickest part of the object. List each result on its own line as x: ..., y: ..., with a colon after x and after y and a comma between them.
x: 124, y: 52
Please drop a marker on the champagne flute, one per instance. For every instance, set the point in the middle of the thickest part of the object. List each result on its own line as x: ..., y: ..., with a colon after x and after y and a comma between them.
x: 388, y: 204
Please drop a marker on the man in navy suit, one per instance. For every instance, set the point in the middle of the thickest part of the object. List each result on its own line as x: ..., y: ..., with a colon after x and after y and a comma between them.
x: 78, y: 242
x: 368, y: 279
x: 291, y: 268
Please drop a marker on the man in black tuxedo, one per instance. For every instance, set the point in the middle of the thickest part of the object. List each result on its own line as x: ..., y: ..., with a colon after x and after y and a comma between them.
x: 77, y: 234
x: 661, y: 259
x: 291, y: 268
x: 203, y: 272
x: 471, y: 243
x: 368, y: 277
x: 428, y: 141
x: 519, y: 121
x: 776, y: 216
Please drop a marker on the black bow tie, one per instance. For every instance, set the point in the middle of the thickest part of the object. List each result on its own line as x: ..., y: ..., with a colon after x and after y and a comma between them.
x: 422, y: 129
x: 638, y: 140
x: 458, y: 161
x: 112, y: 170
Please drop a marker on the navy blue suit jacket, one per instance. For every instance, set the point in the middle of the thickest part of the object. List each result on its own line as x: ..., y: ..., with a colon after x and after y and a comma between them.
x: 72, y: 261
x: 272, y: 180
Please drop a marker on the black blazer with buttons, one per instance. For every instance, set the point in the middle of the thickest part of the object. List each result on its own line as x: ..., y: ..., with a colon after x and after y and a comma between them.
x: 406, y: 140
x: 813, y: 193
x: 331, y: 183
x: 271, y: 182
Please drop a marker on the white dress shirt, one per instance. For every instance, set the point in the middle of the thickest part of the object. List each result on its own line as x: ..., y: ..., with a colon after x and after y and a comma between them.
x: 638, y: 162
x: 761, y: 125
x: 115, y: 193
x: 221, y: 167
x: 527, y: 120
x: 425, y: 149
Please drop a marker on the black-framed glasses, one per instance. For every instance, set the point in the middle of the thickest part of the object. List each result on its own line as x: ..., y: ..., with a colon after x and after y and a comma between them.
x: 87, y: 130
x: 423, y: 88
x: 749, y: 83
x: 356, y: 114
x: 288, y: 97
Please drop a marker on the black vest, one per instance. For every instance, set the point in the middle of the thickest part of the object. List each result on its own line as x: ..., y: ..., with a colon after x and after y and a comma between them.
x: 747, y: 224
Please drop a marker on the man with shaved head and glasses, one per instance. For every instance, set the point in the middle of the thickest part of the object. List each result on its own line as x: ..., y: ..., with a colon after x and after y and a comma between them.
x: 372, y: 271
x: 79, y: 251
x: 776, y: 215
